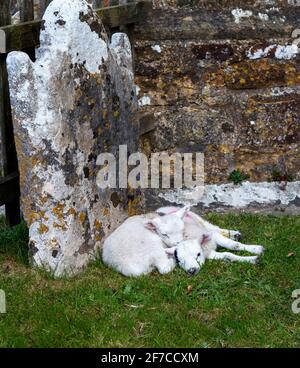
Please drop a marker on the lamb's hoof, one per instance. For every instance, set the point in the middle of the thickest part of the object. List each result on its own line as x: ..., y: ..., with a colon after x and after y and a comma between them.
x: 259, y: 249
x: 257, y: 260
x: 253, y: 260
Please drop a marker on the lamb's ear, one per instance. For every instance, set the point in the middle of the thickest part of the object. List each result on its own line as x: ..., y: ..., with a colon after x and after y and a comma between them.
x: 181, y: 213
x: 170, y: 251
x: 150, y: 225
x: 205, y: 239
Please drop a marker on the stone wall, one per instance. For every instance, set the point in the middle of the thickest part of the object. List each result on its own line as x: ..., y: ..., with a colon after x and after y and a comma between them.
x: 223, y: 78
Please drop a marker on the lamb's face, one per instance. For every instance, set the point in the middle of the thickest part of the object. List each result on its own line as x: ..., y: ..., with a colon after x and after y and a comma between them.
x: 169, y: 227
x: 189, y: 254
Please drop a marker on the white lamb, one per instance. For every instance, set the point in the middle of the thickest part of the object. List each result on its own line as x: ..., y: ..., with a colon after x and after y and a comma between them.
x: 212, y: 237
x: 140, y: 244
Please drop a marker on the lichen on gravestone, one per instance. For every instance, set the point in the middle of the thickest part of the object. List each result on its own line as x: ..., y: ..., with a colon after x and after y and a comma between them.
x: 75, y: 101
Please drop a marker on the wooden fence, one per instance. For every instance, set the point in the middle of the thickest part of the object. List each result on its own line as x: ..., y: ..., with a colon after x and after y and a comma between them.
x: 115, y: 14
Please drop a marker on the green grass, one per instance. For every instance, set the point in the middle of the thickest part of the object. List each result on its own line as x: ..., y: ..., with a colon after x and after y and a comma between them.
x: 238, y: 176
x: 225, y: 305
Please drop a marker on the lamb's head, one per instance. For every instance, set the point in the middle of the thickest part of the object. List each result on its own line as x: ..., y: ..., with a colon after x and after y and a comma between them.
x: 169, y: 227
x: 189, y: 255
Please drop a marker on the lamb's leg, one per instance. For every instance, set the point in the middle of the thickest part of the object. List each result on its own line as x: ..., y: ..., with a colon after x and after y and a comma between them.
x: 231, y: 234
x: 226, y: 256
x: 222, y: 241
x: 165, y: 265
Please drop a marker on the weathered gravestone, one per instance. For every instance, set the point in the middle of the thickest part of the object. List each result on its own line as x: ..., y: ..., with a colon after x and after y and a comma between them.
x: 75, y: 101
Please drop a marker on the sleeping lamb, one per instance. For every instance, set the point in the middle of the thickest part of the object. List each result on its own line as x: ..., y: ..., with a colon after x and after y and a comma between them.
x: 141, y: 244
x: 195, y: 227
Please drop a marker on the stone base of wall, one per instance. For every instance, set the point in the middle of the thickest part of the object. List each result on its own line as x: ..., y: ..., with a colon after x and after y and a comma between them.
x: 247, y: 197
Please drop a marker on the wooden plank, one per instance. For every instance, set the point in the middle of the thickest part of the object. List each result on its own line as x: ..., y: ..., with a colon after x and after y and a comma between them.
x: 22, y: 36
x: 26, y: 35
x: 9, y: 188
x: 116, y: 16
x: 26, y: 10
x: 5, y: 17
x: 9, y: 155
x: 26, y: 15
x: 2, y: 42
